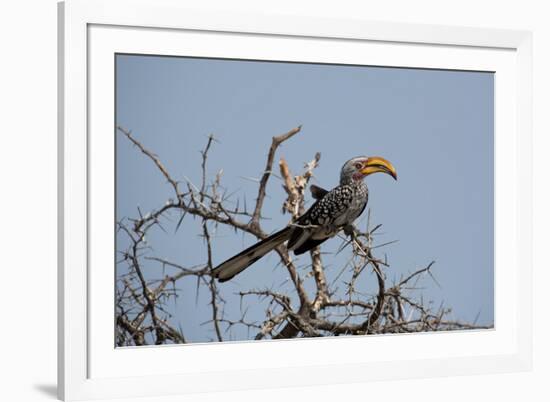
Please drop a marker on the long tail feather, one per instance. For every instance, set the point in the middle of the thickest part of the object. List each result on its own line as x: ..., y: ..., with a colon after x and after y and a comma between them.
x: 238, y: 263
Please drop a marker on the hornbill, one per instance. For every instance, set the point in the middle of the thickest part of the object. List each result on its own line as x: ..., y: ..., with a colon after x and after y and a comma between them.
x: 332, y: 211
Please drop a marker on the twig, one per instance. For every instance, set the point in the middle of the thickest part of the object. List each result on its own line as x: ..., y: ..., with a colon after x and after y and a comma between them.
x: 276, y: 141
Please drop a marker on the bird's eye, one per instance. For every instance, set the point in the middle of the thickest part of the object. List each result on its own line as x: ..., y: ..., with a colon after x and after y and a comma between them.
x: 358, y: 165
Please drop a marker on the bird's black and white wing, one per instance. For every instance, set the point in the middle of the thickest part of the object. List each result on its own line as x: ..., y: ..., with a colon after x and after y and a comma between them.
x: 323, y: 219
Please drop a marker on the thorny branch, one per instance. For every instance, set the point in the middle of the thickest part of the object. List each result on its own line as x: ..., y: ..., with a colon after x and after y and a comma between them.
x: 143, y: 293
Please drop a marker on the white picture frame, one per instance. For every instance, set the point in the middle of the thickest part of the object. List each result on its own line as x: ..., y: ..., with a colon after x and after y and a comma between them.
x: 90, y: 32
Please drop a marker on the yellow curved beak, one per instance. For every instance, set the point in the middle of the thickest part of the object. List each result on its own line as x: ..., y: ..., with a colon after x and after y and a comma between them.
x: 377, y: 164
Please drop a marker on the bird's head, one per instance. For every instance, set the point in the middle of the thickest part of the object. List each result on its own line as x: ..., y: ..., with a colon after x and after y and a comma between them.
x: 358, y: 168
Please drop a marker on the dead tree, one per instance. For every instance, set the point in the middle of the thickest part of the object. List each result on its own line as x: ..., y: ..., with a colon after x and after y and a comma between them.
x: 333, y: 308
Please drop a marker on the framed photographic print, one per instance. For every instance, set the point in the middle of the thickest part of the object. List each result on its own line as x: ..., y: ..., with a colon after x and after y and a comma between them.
x: 256, y: 201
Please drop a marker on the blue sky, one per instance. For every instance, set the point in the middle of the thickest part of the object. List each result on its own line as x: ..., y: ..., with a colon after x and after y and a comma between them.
x: 435, y: 126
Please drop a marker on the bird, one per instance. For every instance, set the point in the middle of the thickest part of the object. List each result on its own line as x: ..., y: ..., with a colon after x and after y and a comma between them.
x: 332, y: 211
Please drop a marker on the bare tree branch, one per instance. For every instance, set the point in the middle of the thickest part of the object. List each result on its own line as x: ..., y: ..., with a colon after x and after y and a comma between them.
x: 276, y: 141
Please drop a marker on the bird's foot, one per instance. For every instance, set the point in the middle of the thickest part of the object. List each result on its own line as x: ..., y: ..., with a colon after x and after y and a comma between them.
x: 349, y: 230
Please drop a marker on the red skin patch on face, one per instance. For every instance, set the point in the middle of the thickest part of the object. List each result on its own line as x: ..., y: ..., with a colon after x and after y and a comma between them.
x: 358, y: 176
